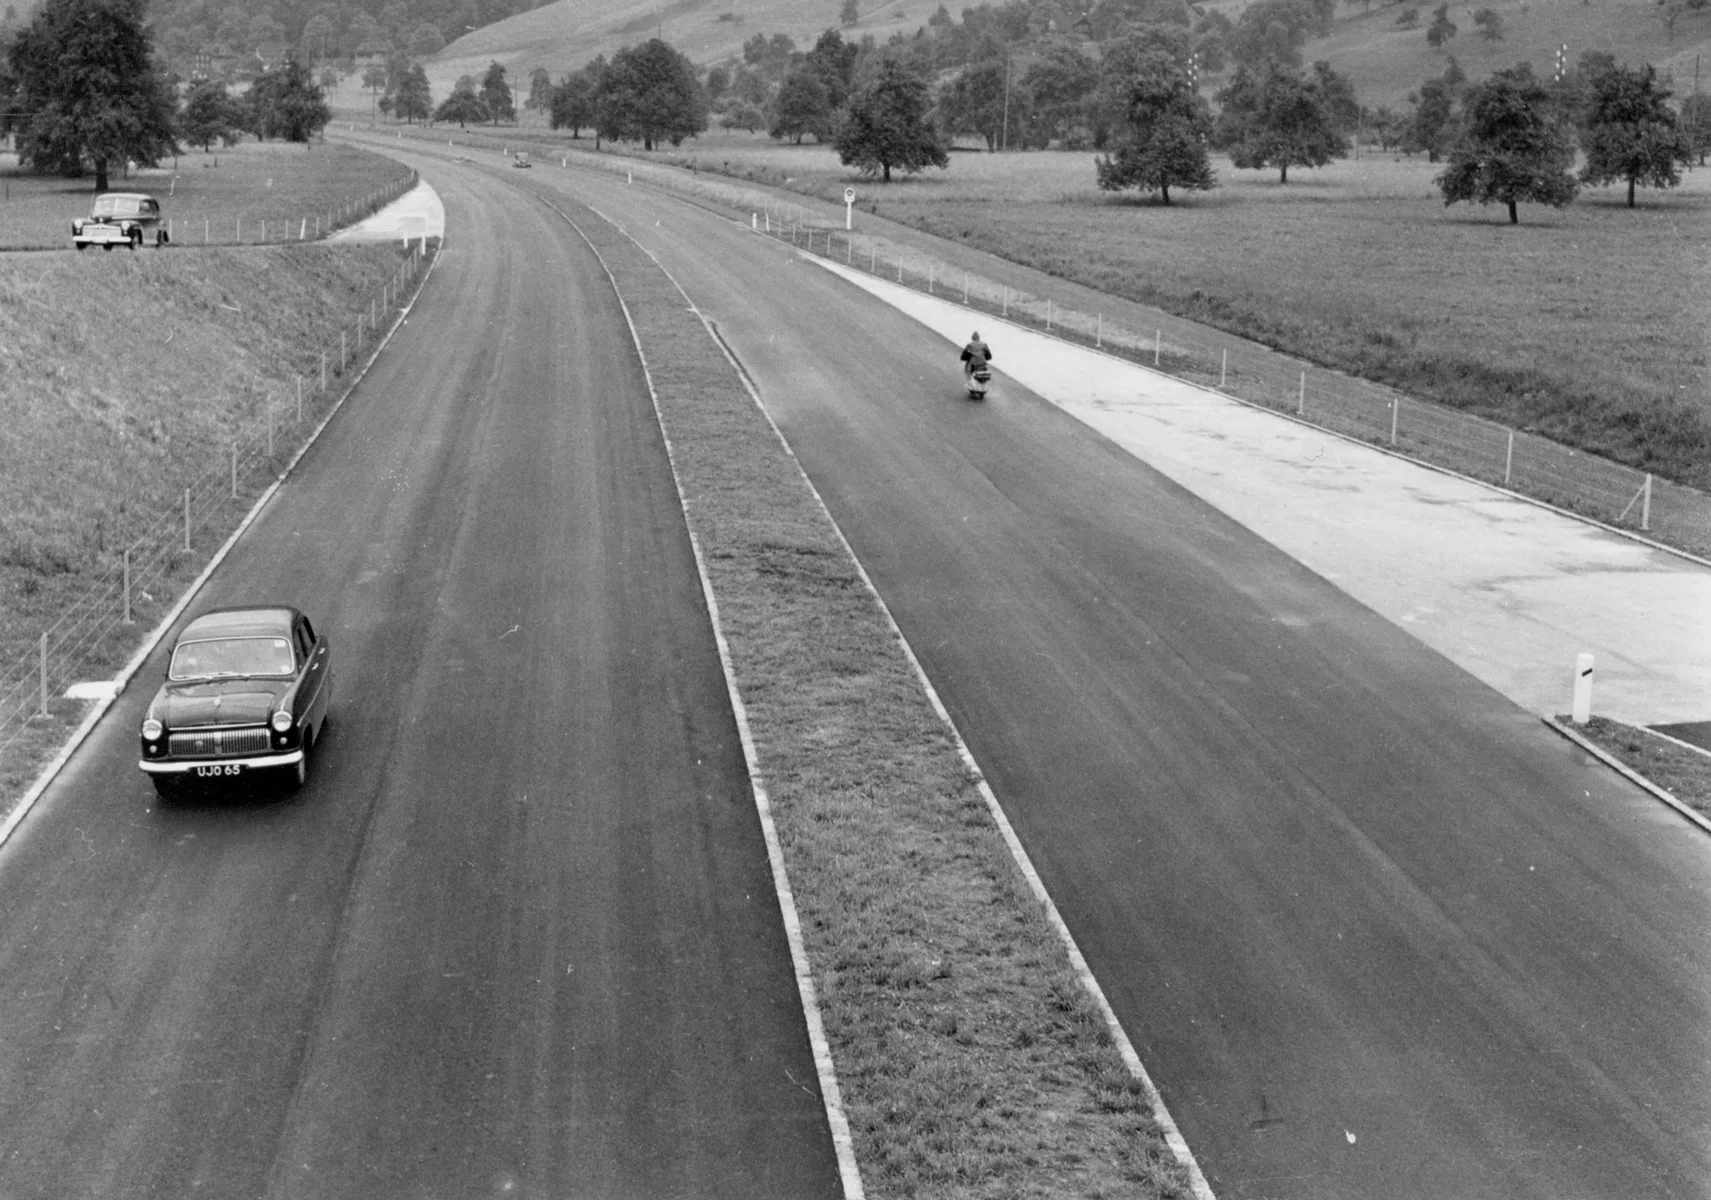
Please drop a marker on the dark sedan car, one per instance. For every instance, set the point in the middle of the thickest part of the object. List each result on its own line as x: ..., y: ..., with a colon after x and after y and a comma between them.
x: 246, y: 690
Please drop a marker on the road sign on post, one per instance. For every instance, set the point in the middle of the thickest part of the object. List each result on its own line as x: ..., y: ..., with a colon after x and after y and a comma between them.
x: 849, y: 206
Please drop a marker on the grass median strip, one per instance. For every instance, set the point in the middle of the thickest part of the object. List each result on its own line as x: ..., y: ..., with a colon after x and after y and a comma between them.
x: 971, y: 1060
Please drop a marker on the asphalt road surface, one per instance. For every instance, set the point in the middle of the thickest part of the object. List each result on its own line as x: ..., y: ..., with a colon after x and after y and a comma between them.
x: 1375, y: 931
x: 517, y: 936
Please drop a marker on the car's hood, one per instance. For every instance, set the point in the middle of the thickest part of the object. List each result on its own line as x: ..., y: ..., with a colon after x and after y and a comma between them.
x: 218, y: 702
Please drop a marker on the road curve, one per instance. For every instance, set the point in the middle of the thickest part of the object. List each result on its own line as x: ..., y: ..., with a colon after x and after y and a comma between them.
x: 1375, y: 931
x: 518, y: 935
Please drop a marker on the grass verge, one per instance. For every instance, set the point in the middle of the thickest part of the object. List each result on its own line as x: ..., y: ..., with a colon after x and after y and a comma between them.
x: 110, y: 408
x: 971, y: 1061
x: 1682, y: 772
x: 232, y: 195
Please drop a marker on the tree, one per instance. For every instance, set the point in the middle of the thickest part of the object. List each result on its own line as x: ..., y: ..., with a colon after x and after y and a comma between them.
x: 1060, y: 84
x: 411, y: 98
x: 86, y: 89
x: 374, y: 79
x: 1696, y: 124
x: 1408, y: 18
x: 740, y: 114
x: 650, y: 94
x: 1279, y: 119
x: 803, y: 107
x: 1513, y: 148
x: 463, y: 105
x: 210, y: 114
x: 540, y: 91
x: 977, y: 101
x: 1631, y: 133
x: 1164, y: 143
x: 1432, y: 127
x: 573, y: 99
x: 1490, y: 24
x: 319, y: 37
x: 287, y: 103
x: 1442, y: 29
x: 887, y: 126
x: 1276, y: 30
x: 425, y: 39
x: 496, y: 95
x: 850, y: 13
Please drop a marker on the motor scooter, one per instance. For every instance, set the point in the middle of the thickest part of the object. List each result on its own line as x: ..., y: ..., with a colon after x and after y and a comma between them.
x: 977, y: 381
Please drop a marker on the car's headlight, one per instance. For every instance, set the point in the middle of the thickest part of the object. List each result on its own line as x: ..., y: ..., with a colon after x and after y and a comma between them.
x: 152, y: 729
x: 281, y: 721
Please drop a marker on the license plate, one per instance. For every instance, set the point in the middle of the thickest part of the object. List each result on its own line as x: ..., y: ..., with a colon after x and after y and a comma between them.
x: 210, y: 769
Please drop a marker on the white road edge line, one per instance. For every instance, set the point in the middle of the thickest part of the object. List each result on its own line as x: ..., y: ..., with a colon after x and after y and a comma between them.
x: 50, y: 772
x: 1161, y: 1113
x: 842, y: 1143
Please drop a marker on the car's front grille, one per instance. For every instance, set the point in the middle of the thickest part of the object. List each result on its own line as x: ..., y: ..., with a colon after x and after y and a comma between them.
x: 217, y: 743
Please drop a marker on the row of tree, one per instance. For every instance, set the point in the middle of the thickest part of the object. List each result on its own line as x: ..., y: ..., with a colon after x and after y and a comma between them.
x: 81, y: 90
x: 1509, y: 140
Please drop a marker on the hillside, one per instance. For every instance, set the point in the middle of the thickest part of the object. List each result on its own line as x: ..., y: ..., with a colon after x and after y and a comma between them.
x: 1384, y: 61
x: 564, y: 35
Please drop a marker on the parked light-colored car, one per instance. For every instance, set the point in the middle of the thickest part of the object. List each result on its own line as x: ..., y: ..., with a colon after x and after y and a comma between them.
x: 120, y: 219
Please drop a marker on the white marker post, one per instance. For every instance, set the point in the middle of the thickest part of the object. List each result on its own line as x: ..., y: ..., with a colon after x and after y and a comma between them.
x: 1582, y: 712
x: 849, y: 208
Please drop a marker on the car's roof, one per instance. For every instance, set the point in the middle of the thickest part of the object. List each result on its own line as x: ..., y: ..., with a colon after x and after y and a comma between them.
x: 124, y: 196
x: 271, y: 621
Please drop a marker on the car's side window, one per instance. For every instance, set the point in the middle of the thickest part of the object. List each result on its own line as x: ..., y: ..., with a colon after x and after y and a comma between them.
x: 305, y: 642
x: 309, y: 634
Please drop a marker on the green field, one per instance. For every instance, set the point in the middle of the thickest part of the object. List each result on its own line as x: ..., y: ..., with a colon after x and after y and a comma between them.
x: 245, y: 193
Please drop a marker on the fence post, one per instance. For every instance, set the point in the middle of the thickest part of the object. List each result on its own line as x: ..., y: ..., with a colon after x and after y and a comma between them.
x: 1224, y: 369
x: 264, y: 231
x: 900, y: 269
x: 1395, y: 415
x: 1048, y: 314
x: 268, y: 405
x: 342, y: 352
x: 1158, y: 344
x: 1509, y: 458
x: 238, y: 234
x: 932, y: 269
x: 128, y: 585
x: 965, y: 287
x: 1646, y: 506
x: 303, y: 230
x: 1006, y: 300
x: 234, y: 470
x: 323, y: 370
x: 1099, y: 332
x: 43, y: 711
x: 299, y: 399
x: 873, y: 259
x: 204, y: 231
x: 186, y: 520
x: 1301, y: 399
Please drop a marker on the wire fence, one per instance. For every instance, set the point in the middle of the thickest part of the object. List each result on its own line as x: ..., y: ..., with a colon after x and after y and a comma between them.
x: 309, y: 227
x: 1523, y: 462
x: 101, y: 627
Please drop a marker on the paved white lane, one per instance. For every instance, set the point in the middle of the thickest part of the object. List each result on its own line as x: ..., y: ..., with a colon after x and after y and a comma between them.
x: 1506, y: 589
x: 417, y: 213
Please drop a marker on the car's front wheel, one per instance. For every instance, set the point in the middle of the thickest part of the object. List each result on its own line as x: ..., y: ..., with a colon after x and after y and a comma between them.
x: 165, y: 786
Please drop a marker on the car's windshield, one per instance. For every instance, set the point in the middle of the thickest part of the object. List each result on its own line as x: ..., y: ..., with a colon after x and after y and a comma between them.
x: 117, y: 206
x: 231, y: 656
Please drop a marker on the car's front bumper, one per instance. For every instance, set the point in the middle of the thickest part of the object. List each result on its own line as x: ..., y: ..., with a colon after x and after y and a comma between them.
x: 187, y: 766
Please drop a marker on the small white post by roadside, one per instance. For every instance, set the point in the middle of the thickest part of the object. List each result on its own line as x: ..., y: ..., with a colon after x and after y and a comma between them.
x: 187, y: 520
x: 1158, y: 345
x: 1582, y: 711
x: 43, y: 710
x: 849, y: 208
x: 1301, y: 398
x: 129, y: 620
x: 1224, y: 369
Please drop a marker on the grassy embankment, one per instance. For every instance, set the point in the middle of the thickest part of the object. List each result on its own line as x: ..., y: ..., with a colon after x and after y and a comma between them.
x: 225, y: 196
x: 124, y: 377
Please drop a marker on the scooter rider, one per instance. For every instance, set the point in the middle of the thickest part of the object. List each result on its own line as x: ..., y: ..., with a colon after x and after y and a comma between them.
x: 975, y: 355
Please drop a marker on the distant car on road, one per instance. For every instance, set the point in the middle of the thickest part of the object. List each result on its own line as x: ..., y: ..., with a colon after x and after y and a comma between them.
x: 119, y: 219
x: 521, y: 159
x: 246, y: 690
